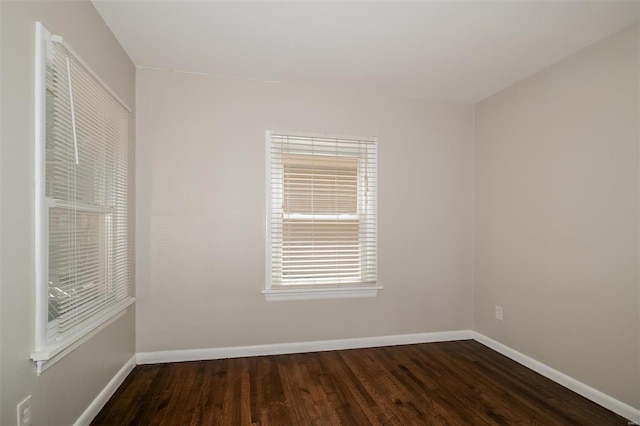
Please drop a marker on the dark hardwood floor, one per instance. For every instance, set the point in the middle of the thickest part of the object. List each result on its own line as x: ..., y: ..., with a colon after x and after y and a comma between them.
x: 452, y: 383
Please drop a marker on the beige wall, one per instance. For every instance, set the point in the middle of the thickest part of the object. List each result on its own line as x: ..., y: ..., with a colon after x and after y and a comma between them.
x: 556, y: 217
x: 65, y: 390
x: 0, y: 215
x: 201, y: 213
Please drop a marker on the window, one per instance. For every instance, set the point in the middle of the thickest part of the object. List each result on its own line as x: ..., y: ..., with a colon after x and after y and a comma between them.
x: 82, y: 252
x: 321, y: 216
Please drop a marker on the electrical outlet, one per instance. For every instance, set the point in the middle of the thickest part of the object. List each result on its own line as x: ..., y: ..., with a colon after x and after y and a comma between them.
x: 24, y: 412
x: 499, y: 313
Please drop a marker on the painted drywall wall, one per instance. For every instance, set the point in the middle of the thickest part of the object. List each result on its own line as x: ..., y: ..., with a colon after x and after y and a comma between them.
x: 63, y: 392
x: 556, y: 216
x: 0, y: 211
x: 201, y: 213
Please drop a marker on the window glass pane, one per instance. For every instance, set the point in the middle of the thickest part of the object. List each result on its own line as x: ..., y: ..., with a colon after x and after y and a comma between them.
x: 315, y: 184
x: 320, y: 251
x: 77, y: 262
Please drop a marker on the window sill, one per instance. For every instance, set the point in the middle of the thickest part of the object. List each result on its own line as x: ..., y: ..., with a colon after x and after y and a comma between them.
x: 273, y: 295
x: 48, y: 355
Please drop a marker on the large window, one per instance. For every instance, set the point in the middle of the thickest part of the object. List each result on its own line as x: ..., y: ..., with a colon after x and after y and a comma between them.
x: 81, y: 200
x: 321, y: 216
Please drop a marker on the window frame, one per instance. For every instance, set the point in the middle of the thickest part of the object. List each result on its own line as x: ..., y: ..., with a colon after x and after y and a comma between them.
x: 302, y: 291
x: 46, y: 351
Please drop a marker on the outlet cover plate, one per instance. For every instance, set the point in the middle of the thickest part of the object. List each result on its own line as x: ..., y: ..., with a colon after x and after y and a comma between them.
x: 499, y: 313
x: 24, y: 412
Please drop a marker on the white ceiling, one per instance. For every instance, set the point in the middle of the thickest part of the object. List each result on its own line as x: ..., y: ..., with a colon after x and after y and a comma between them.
x: 450, y: 51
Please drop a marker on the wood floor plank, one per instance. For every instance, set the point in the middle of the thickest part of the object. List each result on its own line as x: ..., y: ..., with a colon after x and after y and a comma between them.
x: 449, y: 383
x: 359, y: 403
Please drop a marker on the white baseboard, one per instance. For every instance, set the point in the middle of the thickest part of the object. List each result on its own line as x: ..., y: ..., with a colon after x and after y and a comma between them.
x: 300, y: 347
x: 580, y: 388
x: 103, y: 397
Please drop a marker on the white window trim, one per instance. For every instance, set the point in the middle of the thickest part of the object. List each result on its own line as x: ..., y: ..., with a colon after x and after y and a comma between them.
x: 272, y: 295
x: 46, y: 353
x: 296, y: 292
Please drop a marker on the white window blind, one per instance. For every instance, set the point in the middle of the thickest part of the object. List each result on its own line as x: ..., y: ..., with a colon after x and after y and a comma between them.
x: 84, y: 236
x: 322, y: 217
